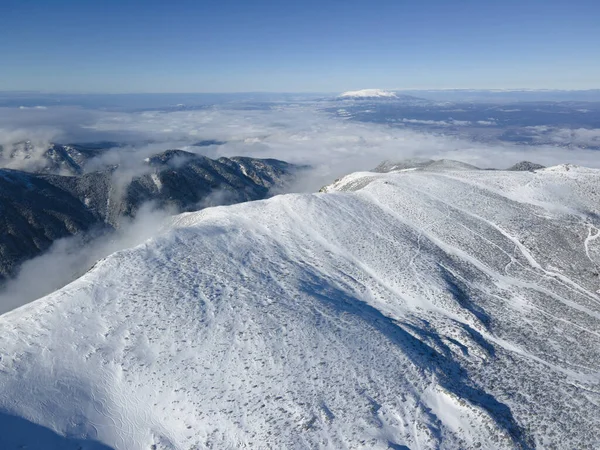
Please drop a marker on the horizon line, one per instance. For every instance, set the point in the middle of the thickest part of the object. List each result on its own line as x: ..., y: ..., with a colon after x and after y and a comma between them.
x: 493, y: 90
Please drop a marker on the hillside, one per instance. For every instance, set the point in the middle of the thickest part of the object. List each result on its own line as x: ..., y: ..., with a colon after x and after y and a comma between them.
x: 38, y: 209
x: 439, y: 307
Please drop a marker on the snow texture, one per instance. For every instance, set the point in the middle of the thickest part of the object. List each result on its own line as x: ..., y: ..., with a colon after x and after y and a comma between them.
x: 440, y: 307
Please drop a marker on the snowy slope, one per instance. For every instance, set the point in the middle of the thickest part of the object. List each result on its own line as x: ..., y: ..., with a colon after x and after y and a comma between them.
x: 426, y: 308
x: 368, y: 93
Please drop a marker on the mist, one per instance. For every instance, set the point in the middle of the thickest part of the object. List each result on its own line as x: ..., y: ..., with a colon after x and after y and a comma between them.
x: 298, y: 133
x: 304, y: 134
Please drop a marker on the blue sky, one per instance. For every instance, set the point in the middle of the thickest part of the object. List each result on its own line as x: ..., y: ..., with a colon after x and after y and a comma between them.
x: 287, y: 46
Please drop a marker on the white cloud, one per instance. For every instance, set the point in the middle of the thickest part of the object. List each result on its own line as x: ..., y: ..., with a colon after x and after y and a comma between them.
x: 581, y: 137
x: 449, y: 122
x: 335, y: 146
x: 16, y: 154
x: 425, y: 122
x: 301, y: 133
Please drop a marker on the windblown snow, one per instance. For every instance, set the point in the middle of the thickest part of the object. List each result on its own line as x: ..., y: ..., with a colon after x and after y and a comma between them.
x: 441, y: 307
x: 368, y: 93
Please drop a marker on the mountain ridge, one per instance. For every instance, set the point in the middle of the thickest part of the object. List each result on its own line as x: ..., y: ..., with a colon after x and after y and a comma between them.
x: 407, y: 309
x: 41, y: 208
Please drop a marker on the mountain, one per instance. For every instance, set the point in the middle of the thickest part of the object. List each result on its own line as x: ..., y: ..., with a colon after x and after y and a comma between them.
x: 378, y: 102
x: 430, y: 164
x: 37, y: 209
x: 406, y: 164
x: 418, y: 163
x: 526, y: 165
x: 57, y: 159
x: 186, y: 181
x: 368, y: 94
x: 33, y: 214
x: 430, y: 308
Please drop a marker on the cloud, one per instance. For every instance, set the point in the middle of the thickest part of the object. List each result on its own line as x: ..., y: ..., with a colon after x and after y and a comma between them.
x: 301, y: 133
x: 425, y: 122
x: 566, y: 136
x: 24, y: 148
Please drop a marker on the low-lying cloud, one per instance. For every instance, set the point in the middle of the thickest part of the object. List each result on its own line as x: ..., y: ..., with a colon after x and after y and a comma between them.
x: 303, y: 134
x: 580, y: 137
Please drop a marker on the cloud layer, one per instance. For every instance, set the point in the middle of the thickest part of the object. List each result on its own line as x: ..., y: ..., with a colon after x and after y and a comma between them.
x: 302, y: 133
x: 298, y: 132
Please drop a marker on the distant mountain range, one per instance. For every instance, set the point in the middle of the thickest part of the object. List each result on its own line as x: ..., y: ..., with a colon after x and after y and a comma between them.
x: 53, y: 158
x: 431, y: 164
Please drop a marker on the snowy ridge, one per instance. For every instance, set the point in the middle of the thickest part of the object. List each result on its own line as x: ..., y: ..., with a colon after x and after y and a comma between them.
x: 368, y: 93
x: 421, y: 309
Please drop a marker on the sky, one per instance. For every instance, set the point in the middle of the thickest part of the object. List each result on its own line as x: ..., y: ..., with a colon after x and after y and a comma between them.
x: 289, y: 46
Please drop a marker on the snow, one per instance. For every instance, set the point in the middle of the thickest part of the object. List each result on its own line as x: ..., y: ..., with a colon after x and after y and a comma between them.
x: 368, y: 93
x: 442, y: 308
x: 156, y: 180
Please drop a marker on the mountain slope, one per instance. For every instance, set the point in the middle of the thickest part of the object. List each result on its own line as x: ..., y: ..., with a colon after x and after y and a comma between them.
x: 37, y: 209
x: 55, y: 159
x: 526, y: 165
x: 424, y: 309
x: 33, y: 214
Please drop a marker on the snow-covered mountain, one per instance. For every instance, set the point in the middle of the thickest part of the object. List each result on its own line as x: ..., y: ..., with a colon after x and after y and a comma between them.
x: 376, y: 98
x: 368, y: 94
x: 427, y: 307
x: 38, y: 209
x: 51, y: 158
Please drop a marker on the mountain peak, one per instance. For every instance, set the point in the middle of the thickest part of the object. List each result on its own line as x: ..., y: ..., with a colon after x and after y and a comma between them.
x: 427, y: 297
x: 368, y: 93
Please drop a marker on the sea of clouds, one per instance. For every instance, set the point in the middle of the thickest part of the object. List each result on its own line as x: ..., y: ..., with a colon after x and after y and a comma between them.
x: 297, y: 132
